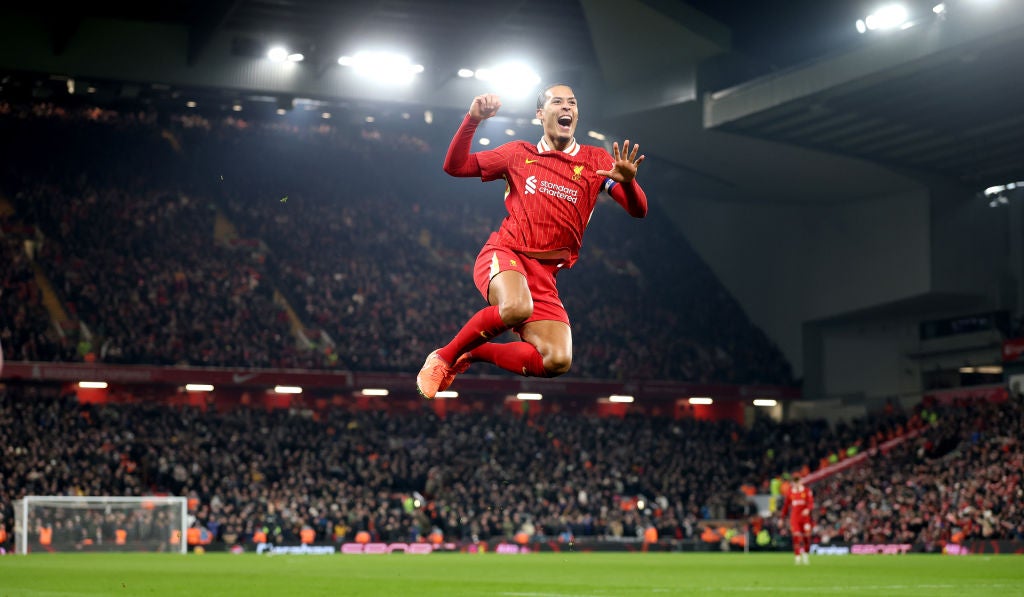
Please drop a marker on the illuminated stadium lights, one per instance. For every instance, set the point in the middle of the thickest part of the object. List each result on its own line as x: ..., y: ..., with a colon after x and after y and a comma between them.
x: 528, y: 396
x: 966, y: 369
x: 428, y: 116
x: 939, y: 8
x: 484, y: 141
x: 383, y: 67
x: 190, y: 104
x: 296, y: 57
x: 281, y: 111
x: 888, y: 17
x: 465, y: 73
x: 535, y: 121
x: 997, y: 193
x: 287, y: 390
x: 510, y: 132
x: 765, y: 402
x: 90, y: 89
x: 375, y: 392
x: 596, y: 135
x: 512, y: 78
x: 325, y: 115
x: 701, y: 400
x: 370, y: 119
x: 990, y: 370
x: 277, y: 54
x: 237, y: 107
x: 620, y: 399
x: 198, y: 387
x: 446, y: 394
x: 93, y: 385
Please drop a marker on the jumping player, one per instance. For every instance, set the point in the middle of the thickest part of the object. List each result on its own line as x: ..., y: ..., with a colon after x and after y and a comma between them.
x: 551, y: 189
x: 799, y: 505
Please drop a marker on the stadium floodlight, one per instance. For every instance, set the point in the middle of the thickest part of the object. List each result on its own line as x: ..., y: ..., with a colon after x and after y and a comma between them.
x: 281, y: 111
x: 966, y: 370
x: 511, y: 78
x: 325, y: 115
x: 237, y: 107
x: 535, y: 121
x: 93, y: 385
x: 990, y: 370
x: 296, y: 57
x: 621, y: 399
x: 484, y: 141
x: 375, y: 392
x: 765, y: 402
x: 596, y: 135
x: 529, y: 396
x: 465, y: 73
x: 278, y: 54
x: 940, y: 8
x: 190, y: 104
x: 510, y: 132
x: 446, y: 394
x: 287, y: 390
x: 701, y: 400
x: 198, y: 387
x: 383, y: 67
x: 890, y: 16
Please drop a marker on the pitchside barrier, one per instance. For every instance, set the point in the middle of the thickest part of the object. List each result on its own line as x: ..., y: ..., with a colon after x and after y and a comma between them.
x: 505, y: 547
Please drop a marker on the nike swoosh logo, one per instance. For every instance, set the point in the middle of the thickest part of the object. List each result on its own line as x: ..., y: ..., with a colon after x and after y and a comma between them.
x: 530, y: 161
x: 242, y: 378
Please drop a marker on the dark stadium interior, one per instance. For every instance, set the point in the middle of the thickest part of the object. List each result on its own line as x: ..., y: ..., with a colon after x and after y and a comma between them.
x: 829, y: 283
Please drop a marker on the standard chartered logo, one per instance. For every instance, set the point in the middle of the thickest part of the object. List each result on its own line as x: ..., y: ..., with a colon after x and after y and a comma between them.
x: 552, y: 189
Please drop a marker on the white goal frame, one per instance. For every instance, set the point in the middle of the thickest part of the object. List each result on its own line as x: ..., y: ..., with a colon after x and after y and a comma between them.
x: 21, y: 509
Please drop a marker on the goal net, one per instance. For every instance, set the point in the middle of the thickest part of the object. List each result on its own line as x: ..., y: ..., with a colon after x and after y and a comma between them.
x: 61, y: 524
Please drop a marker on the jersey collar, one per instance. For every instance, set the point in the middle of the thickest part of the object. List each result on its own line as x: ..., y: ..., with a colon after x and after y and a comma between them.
x: 572, y: 149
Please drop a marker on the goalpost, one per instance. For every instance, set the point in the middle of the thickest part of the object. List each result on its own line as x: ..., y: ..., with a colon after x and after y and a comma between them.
x: 61, y: 524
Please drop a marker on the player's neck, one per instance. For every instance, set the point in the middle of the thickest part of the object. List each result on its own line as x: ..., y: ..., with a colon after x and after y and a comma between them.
x: 559, y: 144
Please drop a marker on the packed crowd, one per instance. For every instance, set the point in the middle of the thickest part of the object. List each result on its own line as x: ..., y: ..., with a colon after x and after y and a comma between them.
x: 960, y: 480
x: 485, y: 475
x: 375, y: 262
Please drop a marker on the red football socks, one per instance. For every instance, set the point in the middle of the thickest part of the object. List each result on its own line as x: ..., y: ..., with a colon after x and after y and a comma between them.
x: 480, y: 328
x: 517, y: 357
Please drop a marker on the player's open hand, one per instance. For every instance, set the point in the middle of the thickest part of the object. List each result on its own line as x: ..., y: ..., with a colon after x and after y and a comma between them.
x: 484, y: 106
x: 626, y: 163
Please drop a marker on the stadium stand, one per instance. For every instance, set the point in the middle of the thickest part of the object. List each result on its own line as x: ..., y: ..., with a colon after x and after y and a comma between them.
x: 130, y: 246
x: 495, y: 474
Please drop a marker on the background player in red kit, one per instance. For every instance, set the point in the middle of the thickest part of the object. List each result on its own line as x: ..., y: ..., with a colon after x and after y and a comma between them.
x: 551, y: 189
x: 799, y: 504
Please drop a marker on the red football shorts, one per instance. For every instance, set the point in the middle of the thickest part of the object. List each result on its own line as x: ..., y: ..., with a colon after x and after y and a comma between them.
x: 540, y: 277
x: 800, y: 526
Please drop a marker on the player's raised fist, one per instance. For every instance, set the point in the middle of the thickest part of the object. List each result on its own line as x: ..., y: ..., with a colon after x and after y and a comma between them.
x: 484, y: 106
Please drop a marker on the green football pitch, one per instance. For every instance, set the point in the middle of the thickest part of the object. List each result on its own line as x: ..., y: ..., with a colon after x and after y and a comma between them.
x: 527, y: 575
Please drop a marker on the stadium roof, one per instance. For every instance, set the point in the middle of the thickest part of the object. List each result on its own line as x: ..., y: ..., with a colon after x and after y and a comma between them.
x: 643, y: 68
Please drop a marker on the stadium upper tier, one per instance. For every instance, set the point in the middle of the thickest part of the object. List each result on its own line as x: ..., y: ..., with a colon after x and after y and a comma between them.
x: 180, y: 239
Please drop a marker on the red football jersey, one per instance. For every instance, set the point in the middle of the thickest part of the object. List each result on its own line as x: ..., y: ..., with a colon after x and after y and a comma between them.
x: 550, y: 195
x: 799, y: 503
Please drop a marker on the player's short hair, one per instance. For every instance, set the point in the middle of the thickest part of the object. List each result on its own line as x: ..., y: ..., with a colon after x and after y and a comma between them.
x: 542, y: 96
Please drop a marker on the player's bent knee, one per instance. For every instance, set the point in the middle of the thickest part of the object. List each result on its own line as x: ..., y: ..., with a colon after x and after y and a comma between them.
x: 557, y: 364
x: 515, y: 312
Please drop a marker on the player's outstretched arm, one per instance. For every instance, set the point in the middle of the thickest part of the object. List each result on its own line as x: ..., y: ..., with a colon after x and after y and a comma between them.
x: 459, y: 161
x: 625, y: 165
x: 627, y: 193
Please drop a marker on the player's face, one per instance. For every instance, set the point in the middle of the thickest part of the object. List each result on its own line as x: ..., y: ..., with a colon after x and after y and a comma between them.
x: 559, y: 114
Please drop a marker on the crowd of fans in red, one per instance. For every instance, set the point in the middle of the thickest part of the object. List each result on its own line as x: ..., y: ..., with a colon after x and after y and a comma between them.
x: 487, y: 475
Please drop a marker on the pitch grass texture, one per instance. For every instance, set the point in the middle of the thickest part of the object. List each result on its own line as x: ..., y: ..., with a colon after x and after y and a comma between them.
x: 529, y: 575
